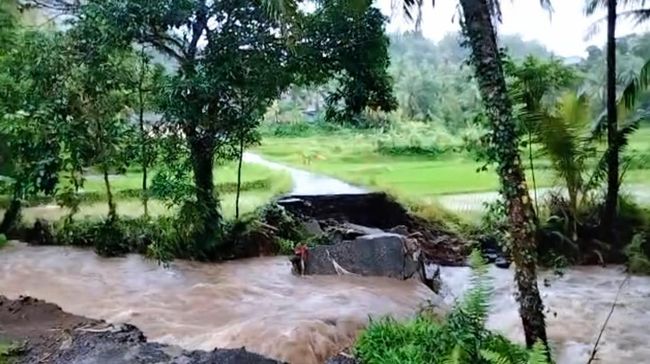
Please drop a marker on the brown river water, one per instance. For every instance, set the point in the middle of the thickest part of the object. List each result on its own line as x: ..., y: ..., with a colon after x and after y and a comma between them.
x: 259, y: 304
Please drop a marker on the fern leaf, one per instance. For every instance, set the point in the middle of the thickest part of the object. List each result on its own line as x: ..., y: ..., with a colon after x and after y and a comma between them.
x: 538, y: 354
x: 494, y: 357
x: 455, y: 356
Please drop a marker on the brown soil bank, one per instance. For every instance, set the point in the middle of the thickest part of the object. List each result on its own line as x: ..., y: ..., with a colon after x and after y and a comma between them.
x: 51, y: 335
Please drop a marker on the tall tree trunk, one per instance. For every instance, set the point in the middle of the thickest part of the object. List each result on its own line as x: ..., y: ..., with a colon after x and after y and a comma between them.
x: 202, y: 164
x: 481, y: 38
x: 12, y: 215
x: 611, y: 200
x: 143, y: 135
x: 241, y: 159
x: 112, y: 209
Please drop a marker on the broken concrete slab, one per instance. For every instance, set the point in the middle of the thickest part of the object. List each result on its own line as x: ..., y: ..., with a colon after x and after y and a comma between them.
x: 382, y: 254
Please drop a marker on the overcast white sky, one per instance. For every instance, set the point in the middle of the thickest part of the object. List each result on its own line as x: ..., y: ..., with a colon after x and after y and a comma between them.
x: 563, y: 32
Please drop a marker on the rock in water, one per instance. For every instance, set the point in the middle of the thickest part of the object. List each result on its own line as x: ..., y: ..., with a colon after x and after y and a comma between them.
x: 430, y: 276
x: 312, y: 227
x: 491, y: 257
x: 370, y: 255
x: 502, y: 262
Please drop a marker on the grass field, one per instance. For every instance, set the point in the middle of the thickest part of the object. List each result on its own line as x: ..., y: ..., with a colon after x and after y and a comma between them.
x: 275, y: 183
x: 352, y: 157
x: 223, y: 175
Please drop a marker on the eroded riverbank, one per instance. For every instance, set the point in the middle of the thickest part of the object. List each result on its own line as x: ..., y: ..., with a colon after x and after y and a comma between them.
x: 43, y: 333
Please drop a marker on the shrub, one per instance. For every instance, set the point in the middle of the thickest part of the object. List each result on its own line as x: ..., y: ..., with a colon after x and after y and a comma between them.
x: 589, y: 245
x: 286, y: 226
x: 286, y: 246
x: 269, y: 230
x: 300, y: 129
x: 250, y: 237
x: 79, y: 233
x: 461, y: 338
x: 141, y: 235
x: 3, y: 241
x: 414, y: 139
x: 110, y: 238
x: 638, y: 261
x: 253, y: 234
x: 9, y: 352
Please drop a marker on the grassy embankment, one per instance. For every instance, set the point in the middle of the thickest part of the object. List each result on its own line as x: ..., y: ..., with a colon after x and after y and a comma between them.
x: 354, y: 156
x: 260, y: 185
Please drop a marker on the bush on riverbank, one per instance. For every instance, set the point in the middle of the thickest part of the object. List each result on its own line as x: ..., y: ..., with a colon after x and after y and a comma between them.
x: 638, y: 255
x: 564, y: 241
x: 114, y: 238
x: 460, y: 338
x: 581, y: 240
x: 164, y: 238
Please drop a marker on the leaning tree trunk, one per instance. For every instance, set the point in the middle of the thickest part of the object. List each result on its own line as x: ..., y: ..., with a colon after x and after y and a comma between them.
x: 611, y: 200
x: 202, y: 164
x: 481, y: 38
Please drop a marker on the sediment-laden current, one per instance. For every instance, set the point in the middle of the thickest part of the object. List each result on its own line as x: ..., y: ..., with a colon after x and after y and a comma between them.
x: 259, y: 304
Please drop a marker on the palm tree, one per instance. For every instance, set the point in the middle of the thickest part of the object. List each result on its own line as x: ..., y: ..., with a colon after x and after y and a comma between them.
x: 640, y: 15
x: 478, y: 18
x: 564, y: 140
x: 611, y: 200
x: 478, y: 27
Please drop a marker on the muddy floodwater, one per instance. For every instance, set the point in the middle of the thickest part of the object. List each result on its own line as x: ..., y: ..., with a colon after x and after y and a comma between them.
x: 259, y: 304
x: 254, y: 303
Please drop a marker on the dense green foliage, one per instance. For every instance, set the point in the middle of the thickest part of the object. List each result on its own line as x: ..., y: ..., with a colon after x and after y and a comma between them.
x: 433, y: 84
x: 356, y: 59
x: 90, y: 97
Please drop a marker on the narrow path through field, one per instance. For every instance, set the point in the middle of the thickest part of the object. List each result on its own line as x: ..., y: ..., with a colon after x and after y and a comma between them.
x: 309, y: 183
